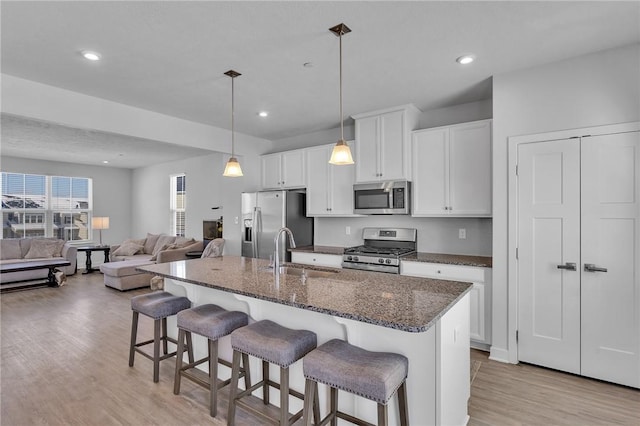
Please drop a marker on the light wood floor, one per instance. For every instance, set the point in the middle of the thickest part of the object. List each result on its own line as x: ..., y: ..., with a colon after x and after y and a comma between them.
x: 64, y: 361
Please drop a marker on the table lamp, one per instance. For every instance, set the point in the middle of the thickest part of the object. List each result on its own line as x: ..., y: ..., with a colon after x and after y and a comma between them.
x: 100, y: 223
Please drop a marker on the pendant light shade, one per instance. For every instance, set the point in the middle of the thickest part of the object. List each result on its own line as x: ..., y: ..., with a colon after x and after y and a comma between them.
x: 232, y: 169
x: 341, y: 154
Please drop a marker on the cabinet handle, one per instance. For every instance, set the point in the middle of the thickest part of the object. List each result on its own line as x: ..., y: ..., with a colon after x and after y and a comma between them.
x: 569, y: 266
x: 590, y: 267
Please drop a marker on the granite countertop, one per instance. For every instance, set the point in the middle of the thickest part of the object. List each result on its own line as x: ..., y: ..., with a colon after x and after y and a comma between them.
x: 404, y: 303
x: 319, y: 250
x: 451, y: 259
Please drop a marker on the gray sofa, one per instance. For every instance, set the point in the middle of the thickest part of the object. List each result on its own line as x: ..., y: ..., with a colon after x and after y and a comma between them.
x: 24, y: 250
x: 159, y: 248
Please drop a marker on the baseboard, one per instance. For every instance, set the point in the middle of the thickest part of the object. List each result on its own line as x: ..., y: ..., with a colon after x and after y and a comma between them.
x: 499, y: 354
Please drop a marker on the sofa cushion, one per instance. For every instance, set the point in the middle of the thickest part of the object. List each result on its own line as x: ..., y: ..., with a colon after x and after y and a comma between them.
x: 184, y: 241
x: 128, y: 249
x: 163, y: 240
x: 139, y: 242
x: 123, y: 269
x: 44, y: 249
x: 150, y: 243
x: 10, y: 249
x: 172, y: 246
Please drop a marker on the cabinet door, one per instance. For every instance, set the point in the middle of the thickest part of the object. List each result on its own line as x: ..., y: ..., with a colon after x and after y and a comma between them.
x: 318, y: 180
x: 392, y: 146
x: 430, y: 183
x: 470, y: 169
x: 477, y: 314
x: 271, y: 165
x: 293, y: 169
x: 367, y: 151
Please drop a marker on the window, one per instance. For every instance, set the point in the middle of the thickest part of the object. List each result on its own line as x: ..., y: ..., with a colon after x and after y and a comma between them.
x: 46, y: 206
x: 178, y: 204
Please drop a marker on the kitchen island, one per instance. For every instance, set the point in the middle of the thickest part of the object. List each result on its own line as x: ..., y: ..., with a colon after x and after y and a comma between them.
x: 426, y: 320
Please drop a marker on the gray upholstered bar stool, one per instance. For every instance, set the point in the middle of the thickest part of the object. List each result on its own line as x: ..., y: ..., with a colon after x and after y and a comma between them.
x: 373, y: 375
x: 212, y: 322
x: 157, y: 305
x: 272, y: 343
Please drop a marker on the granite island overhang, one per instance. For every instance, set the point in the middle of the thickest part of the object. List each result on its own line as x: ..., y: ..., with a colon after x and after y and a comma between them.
x: 424, y: 319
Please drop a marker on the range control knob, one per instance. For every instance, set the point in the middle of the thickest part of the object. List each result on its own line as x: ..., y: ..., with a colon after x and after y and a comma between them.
x: 349, y: 258
x: 355, y: 258
x: 388, y: 261
x: 380, y: 260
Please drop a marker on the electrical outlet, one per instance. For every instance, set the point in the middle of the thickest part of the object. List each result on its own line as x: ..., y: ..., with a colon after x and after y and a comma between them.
x: 462, y: 233
x: 235, y: 220
x: 347, y: 230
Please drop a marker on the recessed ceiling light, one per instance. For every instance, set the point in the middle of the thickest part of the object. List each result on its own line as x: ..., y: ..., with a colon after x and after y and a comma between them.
x: 466, y: 59
x: 92, y: 56
x: 263, y: 114
x: 105, y: 161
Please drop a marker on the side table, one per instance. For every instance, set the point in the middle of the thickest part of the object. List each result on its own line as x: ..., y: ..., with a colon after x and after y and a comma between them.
x: 90, y: 249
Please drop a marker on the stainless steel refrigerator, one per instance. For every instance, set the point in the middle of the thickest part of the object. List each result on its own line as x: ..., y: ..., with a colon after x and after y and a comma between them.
x: 264, y: 213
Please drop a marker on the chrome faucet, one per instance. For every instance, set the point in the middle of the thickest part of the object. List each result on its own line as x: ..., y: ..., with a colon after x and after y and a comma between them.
x: 292, y: 243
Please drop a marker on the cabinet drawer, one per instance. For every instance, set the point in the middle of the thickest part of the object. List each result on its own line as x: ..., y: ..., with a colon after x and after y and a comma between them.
x: 443, y: 271
x: 317, y: 259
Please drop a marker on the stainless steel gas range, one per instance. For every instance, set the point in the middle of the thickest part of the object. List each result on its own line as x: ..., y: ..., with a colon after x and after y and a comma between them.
x: 382, y: 249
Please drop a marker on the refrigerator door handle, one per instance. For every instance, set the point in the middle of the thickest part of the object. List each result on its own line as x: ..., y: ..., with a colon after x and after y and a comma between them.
x: 257, y: 229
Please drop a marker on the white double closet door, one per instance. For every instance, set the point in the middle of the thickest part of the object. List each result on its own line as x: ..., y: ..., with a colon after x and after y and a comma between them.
x: 579, y: 254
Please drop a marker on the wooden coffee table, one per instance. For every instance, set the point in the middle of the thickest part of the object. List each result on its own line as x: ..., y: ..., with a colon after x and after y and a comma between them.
x: 50, y: 264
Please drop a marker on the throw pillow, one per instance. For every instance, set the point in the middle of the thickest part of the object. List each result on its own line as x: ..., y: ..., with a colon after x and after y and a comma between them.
x: 43, y: 249
x: 163, y: 240
x: 10, y: 249
x: 163, y: 248
x: 128, y: 249
x: 183, y: 241
x: 139, y: 242
x: 150, y: 243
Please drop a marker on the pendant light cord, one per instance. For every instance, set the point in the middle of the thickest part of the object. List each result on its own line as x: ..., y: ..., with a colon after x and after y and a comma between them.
x: 341, y: 121
x: 232, y: 119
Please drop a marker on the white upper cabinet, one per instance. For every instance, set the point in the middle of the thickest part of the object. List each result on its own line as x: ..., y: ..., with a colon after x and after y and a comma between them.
x: 329, y: 187
x: 284, y: 170
x: 452, y: 170
x: 383, y: 143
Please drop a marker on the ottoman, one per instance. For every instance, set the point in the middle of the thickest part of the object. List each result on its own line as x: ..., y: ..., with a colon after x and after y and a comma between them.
x: 123, y: 275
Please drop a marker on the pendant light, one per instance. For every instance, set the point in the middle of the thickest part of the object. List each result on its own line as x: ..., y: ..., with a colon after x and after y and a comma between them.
x: 341, y: 154
x: 232, y: 169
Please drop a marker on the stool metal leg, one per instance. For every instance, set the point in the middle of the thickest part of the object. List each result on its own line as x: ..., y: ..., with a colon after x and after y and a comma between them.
x: 284, y: 396
x: 156, y: 350
x: 233, y: 391
x: 382, y: 415
x: 402, y: 404
x: 334, y: 406
x: 265, y: 386
x: 179, y: 355
x: 165, y: 349
x: 134, y: 334
x: 213, y: 377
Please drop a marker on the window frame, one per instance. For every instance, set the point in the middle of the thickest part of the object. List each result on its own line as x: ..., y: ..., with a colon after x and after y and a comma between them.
x: 178, y: 204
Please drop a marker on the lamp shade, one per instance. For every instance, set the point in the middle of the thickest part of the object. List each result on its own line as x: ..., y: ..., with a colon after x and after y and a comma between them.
x: 100, y: 222
x: 232, y: 169
x: 341, y: 154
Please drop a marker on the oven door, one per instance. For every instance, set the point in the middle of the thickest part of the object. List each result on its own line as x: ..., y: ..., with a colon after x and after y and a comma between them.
x: 381, y: 198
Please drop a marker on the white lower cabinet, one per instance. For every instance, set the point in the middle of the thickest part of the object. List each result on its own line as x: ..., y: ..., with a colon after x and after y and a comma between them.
x: 317, y: 259
x: 480, y: 301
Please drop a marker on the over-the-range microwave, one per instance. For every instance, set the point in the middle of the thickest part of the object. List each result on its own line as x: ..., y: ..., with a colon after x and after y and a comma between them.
x: 390, y: 197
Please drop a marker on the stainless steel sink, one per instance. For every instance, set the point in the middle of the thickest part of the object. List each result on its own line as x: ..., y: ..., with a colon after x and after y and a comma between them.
x: 303, y: 272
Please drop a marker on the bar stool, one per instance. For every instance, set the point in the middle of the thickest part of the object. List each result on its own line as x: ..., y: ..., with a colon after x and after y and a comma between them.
x: 212, y: 322
x: 372, y: 375
x: 272, y: 343
x: 157, y: 305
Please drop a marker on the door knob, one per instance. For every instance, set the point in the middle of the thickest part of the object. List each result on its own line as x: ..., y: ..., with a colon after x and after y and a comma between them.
x: 590, y: 267
x: 569, y: 266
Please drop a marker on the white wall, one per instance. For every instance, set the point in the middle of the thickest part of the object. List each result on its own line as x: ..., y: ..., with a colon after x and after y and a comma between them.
x: 591, y: 90
x: 206, y: 188
x: 435, y: 235
x: 111, y: 194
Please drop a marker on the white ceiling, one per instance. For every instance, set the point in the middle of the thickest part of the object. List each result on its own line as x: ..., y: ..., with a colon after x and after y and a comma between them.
x: 170, y: 57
